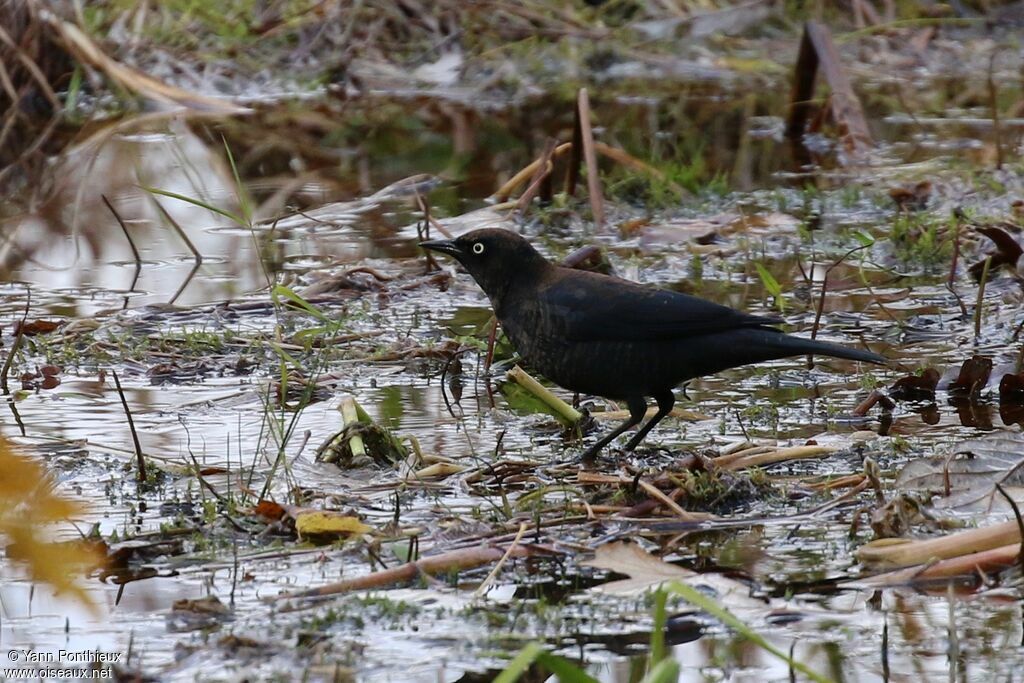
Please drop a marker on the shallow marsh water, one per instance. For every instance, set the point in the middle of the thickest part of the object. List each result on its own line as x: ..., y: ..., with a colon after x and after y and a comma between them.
x: 357, y: 210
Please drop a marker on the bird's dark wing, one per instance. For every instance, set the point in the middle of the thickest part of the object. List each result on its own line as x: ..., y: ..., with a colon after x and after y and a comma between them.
x: 596, y: 307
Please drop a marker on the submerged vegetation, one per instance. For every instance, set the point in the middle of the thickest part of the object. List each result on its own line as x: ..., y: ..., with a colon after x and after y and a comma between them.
x: 261, y: 434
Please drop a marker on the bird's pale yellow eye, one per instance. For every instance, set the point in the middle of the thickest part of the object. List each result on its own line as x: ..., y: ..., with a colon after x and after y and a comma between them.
x: 478, y: 248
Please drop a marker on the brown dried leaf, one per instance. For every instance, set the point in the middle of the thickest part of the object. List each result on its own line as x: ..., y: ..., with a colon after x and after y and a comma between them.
x: 914, y: 198
x: 645, y: 570
x: 211, y: 604
x: 269, y: 509
x: 1008, y: 251
x: 916, y: 387
x: 35, y: 327
x: 968, y: 482
x: 1011, y: 388
x: 973, y: 376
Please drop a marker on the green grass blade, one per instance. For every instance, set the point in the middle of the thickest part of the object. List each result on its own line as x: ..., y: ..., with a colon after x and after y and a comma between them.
x: 74, y: 88
x: 658, y: 630
x: 520, y: 663
x: 865, y: 239
x: 243, y: 197
x: 281, y: 292
x: 564, y: 670
x: 534, y: 653
x: 665, y: 671
x: 695, y: 597
x: 286, y: 358
x: 772, y: 286
x: 197, y: 202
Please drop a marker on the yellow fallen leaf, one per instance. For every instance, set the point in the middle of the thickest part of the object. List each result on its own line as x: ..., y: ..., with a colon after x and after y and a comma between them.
x: 28, y: 503
x: 321, y: 523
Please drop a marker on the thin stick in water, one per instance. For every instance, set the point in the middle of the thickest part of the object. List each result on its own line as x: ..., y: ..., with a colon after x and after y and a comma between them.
x: 131, y: 243
x: 981, y: 298
x: 590, y: 154
x: 15, y: 346
x: 139, y: 458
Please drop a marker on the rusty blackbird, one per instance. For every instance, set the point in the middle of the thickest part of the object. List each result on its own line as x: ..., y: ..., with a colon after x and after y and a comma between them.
x: 610, y: 337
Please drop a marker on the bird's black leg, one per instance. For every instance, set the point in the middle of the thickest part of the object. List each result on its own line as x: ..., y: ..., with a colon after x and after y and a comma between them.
x: 637, y: 409
x: 666, y: 400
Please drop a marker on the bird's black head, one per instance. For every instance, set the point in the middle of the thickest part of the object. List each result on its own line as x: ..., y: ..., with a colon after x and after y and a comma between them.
x: 495, y: 258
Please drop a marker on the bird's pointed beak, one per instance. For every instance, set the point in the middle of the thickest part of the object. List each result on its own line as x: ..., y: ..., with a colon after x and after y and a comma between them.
x: 444, y: 246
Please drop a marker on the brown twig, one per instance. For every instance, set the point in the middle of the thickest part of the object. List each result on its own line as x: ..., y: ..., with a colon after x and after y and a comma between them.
x: 981, y: 298
x: 993, y: 99
x: 456, y: 560
x: 140, y: 473
x: 15, y: 346
x: 590, y: 154
x: 181, y: 232
x: 824, y: 290
x: 429, y: 217
x: 131, y: 243
x: 572, y: 173
x: 818, y: 52
x: 958, y: 215
x: 195, y: 252
x: 543, y: 171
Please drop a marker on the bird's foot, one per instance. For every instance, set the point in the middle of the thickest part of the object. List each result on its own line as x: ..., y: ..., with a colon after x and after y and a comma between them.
x: 631, y: 445
x: 589, y: 456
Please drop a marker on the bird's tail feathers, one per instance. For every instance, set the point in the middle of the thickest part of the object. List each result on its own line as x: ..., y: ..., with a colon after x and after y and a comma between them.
x: 796, y: 346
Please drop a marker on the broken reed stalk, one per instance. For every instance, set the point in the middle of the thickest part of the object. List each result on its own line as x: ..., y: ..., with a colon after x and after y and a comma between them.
x: 492, y: 339
x: 616, y: 154
x: 481, y: 590
x: 140, y: 459
x: 993, y: 99
x: 993, y: 560
x: 349, y: 416
x: 626, y: 159
x: 1020, y: 521
x: 572, y: 174
x: 902, y: 554
x: 958, y: 216
x: 445, y: 563
x: 542, y: 171
x: 818, y: 52
x: 660, y: 496
x: 87, y: 52
x: 755, y: 457
x: 590, y: 155
x: 981, y: 297
x: 525, y: 173
x: 523, y: 379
